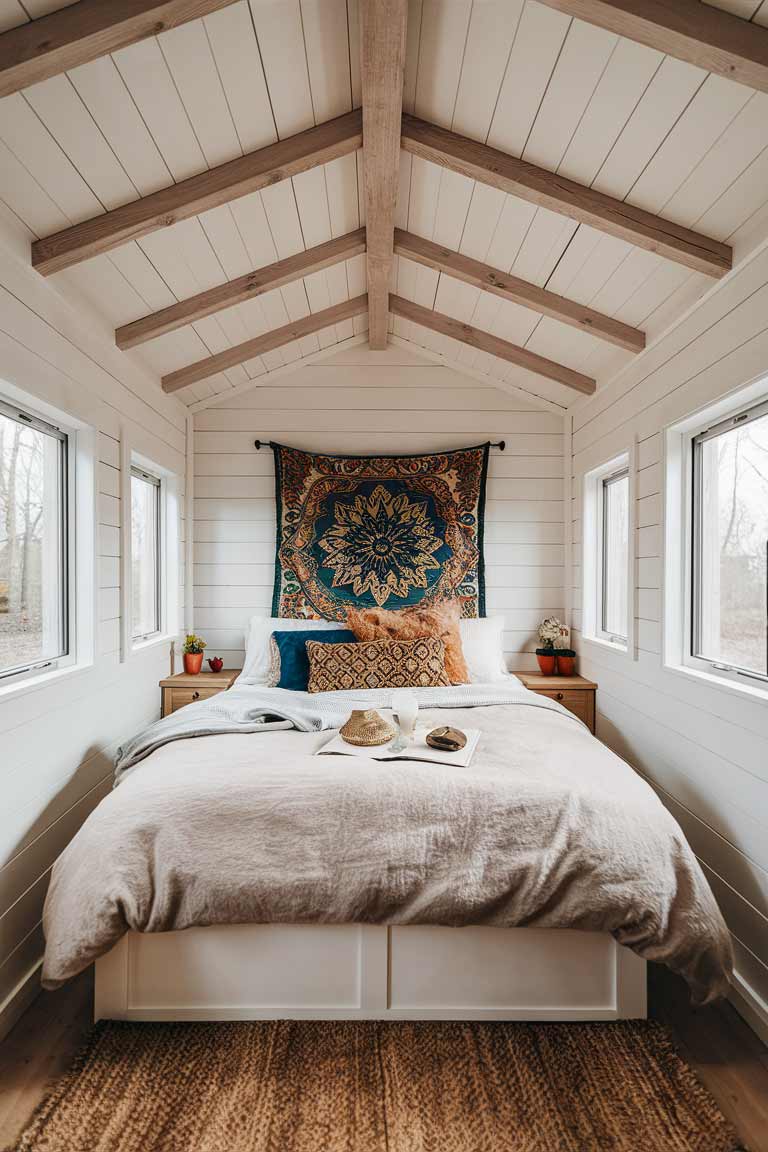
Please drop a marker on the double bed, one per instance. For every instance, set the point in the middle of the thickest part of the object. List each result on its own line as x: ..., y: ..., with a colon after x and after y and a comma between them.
x: 233, y: 874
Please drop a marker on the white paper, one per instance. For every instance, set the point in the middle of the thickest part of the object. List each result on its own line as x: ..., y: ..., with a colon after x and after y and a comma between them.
x: 417, y: 749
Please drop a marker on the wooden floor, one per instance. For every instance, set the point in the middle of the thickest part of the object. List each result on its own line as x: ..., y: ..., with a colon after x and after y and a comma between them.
x: 726, y: 1054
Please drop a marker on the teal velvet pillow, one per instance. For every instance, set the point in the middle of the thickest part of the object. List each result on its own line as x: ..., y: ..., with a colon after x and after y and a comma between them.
x: 290, y: 664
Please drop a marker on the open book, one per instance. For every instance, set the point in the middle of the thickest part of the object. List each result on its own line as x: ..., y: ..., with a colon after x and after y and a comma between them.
x: 417, y: 749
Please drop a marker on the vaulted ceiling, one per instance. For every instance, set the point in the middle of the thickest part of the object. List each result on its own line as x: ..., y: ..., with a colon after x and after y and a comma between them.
x: 561, y: 189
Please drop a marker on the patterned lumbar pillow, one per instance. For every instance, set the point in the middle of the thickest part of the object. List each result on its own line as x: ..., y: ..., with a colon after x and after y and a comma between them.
x: 439, y: 620
x: 289, y: 665
x: 418, y: 663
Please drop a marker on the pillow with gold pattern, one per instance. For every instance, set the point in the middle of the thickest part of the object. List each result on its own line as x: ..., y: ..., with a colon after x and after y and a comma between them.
x: 418, y: 663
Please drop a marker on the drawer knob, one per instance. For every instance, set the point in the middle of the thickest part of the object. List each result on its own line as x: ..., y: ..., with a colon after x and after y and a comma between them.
x: 559, y: 696
x: 195, y: 695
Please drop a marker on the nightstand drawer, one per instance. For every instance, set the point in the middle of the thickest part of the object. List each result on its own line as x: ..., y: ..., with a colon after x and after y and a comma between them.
x: 179, y: 697
x: 573, y: 692
x: 182, y: 689
x: 580, y: 703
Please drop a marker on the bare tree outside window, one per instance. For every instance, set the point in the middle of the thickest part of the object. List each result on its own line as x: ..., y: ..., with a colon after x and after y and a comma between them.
x: 731, y: 521
x: 32, y: 541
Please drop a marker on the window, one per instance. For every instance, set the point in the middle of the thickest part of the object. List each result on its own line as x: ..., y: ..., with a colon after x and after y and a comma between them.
x: 615, y: 555
x: 729, y: 541
x: 34, y: 617
x: 607, y: 570
x: 149, y: 549
x: 145, y: 554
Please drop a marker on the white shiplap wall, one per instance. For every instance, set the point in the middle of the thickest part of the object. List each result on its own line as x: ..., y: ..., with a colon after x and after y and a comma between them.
x: 58, y: 740
x: 362, y: 401
x: 704, y: 749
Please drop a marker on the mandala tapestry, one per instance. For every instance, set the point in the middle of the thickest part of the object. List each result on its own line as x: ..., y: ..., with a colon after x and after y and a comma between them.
x: 386, y: 531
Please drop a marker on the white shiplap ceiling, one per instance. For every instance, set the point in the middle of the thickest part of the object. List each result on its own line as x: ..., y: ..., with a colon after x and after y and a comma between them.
x: 572, y: 98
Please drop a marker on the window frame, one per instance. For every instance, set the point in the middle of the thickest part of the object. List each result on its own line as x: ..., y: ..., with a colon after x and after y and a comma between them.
x: 169, y: 567
x: 593, y: 553
x: 614, y: 477
x: 694, y: 654
x: 26, y: 415
x: 141, y: 473
x: 678, y: 543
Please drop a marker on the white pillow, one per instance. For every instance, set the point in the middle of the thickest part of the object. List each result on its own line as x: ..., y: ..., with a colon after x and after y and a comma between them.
x: 481, y: 641
x: 258, y: 655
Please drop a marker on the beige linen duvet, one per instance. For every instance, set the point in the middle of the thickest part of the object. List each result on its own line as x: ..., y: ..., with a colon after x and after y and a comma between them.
x: 546, y: 828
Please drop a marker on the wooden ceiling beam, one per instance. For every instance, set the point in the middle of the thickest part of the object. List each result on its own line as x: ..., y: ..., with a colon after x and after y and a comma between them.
x: 245, y: 287
x: 485, y: 342
x: 382, y: 49
x: 686, y: 29
x: 197, y: 194
x: 62, y: 40
x: 265, y: 343
x: 518, y: 291
x: 549, y: 190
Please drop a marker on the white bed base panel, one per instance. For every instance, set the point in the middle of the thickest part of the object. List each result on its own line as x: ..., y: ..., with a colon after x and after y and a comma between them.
x: 367, y: 972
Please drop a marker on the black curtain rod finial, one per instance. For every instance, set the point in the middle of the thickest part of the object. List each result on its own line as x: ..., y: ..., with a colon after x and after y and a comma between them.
x: 500, y: 444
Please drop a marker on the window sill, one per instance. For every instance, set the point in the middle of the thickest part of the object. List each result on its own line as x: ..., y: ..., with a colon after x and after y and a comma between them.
x: 137, y: 648
x: 712, y: 680
x: 607, y: 645
x: 16, y: 688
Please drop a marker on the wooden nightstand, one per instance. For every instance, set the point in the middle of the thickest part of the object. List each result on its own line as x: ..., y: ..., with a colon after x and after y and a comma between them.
x: 176, y: 691
x: 573, y: 692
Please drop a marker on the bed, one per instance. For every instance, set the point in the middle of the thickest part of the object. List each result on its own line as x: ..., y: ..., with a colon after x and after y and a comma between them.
x: 234, y: 874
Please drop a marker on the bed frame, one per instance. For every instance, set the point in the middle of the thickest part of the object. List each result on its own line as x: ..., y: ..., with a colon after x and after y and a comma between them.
x: 367, y: 972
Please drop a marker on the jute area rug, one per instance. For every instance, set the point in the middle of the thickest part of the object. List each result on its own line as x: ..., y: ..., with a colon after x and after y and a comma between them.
x: 369, y: 1087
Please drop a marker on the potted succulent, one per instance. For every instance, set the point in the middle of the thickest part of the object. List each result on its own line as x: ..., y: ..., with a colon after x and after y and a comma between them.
x: 553, y: 638
x: 193, y: 654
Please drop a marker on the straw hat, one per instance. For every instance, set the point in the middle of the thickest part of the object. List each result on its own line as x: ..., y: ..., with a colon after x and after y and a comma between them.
x: 366, y: 728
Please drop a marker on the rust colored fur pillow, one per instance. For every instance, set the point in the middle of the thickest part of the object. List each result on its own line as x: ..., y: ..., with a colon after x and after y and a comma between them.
x: 441, y: 620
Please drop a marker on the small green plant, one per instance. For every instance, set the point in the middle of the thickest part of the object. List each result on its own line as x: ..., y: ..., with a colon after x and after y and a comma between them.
x: 194, y: 644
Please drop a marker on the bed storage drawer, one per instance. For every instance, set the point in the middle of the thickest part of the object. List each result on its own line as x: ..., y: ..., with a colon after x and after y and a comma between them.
x: 436, y: 968
x: 369, y: 972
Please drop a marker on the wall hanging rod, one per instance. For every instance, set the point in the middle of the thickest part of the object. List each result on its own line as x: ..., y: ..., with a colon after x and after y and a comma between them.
x: 500, y: 444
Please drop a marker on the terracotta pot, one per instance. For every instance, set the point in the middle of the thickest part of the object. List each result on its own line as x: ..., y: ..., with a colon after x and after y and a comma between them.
x: 566, y: 665
x: 546, y: 663
x: 193, y: 662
